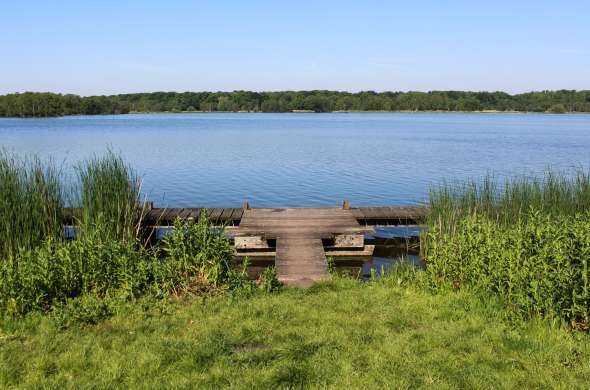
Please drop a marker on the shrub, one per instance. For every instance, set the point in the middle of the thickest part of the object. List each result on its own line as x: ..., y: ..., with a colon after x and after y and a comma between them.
x: 59, y: 270
x: 268, y: 281
x: 84, y: 310
x: 537, y: 265
x: 198, y: 256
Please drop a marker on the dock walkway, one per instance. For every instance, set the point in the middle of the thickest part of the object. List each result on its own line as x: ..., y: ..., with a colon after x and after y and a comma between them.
x: 299, y: 236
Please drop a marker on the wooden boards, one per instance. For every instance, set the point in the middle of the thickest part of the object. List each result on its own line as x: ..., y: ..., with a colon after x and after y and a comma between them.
x: 311, y: 222
x: 300, y: 259
x: 396, y: 215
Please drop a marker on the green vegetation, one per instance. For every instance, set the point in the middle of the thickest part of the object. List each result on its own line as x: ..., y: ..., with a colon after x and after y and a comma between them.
x: 40, y: 268
x: 31, y: 104
x: 340, y: 334
x: 528, y: 243
x: 31, y: 202
x: 504, y: 300
x: 109, y: 197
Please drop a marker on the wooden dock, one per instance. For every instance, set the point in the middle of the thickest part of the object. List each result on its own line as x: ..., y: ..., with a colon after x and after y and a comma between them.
x: 299, y: 237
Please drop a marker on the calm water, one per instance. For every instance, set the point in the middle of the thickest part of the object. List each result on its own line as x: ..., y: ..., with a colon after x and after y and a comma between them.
x: 308, y: 159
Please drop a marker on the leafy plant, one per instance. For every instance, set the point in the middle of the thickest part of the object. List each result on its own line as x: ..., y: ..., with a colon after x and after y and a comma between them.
x: 197, y: 255
x: 268, y: 281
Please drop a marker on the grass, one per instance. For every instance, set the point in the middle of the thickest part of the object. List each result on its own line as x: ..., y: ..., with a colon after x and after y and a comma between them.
x: 109, y: 194
x: 31, y: 201
x: 39, y: 268
x: 506, y: 286
x: 337, y: 334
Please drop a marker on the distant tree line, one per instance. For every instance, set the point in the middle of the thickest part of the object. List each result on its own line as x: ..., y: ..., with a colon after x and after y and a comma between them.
x: 35, y: 104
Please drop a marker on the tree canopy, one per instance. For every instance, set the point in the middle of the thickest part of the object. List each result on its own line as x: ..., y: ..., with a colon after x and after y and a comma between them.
x: 41, y: 104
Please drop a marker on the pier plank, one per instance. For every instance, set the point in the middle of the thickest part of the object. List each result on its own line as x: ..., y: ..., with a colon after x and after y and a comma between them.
x: 300, y: 261
x: 214, y: 214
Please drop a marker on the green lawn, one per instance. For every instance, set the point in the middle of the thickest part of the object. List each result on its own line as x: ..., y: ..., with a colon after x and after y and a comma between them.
x: 339, y: 334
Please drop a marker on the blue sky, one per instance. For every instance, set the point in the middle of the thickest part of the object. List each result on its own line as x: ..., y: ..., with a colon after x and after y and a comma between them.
x: 104, y: 47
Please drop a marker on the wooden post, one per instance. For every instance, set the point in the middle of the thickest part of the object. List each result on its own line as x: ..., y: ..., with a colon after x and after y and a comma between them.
x: 148, y: 205
x: 246, y: 205
x: 345, y: 205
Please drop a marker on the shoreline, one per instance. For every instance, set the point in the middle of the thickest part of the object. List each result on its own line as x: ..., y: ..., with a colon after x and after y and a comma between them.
x: 308, y: 112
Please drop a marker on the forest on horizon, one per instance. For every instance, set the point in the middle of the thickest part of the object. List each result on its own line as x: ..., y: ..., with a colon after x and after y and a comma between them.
x: 45, y: 104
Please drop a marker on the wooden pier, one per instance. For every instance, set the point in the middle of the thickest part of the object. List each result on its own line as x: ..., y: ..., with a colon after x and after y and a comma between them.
x: 298, y: 239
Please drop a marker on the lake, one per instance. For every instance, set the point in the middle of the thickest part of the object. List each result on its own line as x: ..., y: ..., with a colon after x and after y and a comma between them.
x: 306, y: 159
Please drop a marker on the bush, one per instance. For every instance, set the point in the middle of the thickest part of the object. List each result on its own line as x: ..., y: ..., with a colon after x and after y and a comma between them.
x: 268, y: 281
x: 537, y: 265
x: 198, y: 256
x: 84, y: 310
x: 59, y: 270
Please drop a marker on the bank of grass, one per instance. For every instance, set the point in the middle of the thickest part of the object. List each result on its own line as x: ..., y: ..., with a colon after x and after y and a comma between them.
x: 340, y: 334
x: 525, y: 240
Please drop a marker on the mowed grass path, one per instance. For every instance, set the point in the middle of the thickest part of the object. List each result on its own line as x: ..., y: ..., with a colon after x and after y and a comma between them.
x: 338, y: 334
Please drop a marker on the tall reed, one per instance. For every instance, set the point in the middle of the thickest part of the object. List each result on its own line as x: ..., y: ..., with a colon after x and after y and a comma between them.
x: 109, y: 192
x: 508, y: 200
x: 31, y: 202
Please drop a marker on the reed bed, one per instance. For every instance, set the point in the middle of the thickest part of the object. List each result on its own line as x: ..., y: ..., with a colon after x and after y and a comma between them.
x: 509, y: 200
x: 108, y: 192
x: 526, y: 240
x: 31, y: 203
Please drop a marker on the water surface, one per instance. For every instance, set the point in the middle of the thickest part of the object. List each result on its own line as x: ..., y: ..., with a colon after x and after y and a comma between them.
x: 221, y: 159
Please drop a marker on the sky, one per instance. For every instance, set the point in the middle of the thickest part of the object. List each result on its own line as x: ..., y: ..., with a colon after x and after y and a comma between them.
x: 109, y: 47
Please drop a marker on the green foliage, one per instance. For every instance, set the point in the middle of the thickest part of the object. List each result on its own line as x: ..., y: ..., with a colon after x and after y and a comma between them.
x: 48, y: 104
x: 84, y: 310
x: 538, y: 266
x: 268, y: 281
x: 198, y: 255
x: 109, y: 197
x: 507, y: 202
x: 58, y: 270
x: 40, y: 269
x: 31, y: 199
x: 527, y: 242
x: 557, y: 109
